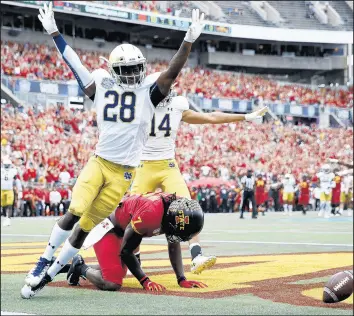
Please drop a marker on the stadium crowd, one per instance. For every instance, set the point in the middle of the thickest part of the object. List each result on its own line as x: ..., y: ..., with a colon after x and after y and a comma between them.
x: 50, y: 146
x: 33, y: 61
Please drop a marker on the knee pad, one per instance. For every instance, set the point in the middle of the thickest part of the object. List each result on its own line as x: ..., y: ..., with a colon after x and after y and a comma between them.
x: 86, y: 224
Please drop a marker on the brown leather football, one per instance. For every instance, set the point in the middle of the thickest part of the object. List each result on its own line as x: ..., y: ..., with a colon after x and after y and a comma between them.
x: 339, y: 287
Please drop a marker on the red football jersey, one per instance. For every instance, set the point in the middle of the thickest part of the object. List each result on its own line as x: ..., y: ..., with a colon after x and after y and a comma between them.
x: 144, y: 212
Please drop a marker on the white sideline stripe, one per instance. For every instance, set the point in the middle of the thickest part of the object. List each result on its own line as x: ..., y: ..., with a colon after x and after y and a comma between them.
x: 223, y: 241
x: 14, y: 313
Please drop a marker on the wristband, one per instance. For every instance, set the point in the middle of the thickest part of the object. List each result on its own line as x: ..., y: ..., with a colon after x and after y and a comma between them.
x: 143, y: 280
x: 180, y: 279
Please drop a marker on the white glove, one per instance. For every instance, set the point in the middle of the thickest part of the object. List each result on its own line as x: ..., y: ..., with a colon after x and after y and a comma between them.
x: 332, y: 160
x: 256, y: 114
x: 196, y: 28
x: 47, y: 18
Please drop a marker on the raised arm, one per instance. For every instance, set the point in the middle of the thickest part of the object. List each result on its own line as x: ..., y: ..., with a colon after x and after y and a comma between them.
x: 174, y: 252
x: 193, y: 117
x: 176, y: 64
x: 81, y: 73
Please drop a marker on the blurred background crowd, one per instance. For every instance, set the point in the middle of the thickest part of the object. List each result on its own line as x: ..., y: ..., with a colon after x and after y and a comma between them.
x: 34, y: 61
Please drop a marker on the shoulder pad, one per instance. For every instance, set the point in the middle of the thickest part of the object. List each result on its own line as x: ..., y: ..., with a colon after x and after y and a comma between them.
x: 180, y: 102
x: 150, y: 79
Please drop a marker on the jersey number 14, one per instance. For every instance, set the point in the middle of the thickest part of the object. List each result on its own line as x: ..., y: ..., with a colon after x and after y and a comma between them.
x: 164, y: 126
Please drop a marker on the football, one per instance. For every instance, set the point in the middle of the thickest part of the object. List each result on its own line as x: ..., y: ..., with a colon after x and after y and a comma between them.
x: 339, y: 287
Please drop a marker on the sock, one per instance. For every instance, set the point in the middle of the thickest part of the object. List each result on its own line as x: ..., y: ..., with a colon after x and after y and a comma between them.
x: 328, y: 208
x: 57, y: 237
x: 285, y: 208
x: 65, y: 269
x: 84, y: 269
x: 195, y: 250
x: 290, y: 208
x: 340, y: 210
x: 67, y: 253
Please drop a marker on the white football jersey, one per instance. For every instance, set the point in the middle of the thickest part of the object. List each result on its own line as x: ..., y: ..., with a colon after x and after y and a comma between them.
x: 123, y: 118
x: 347, y: 184
x: 163, y: 130
x: 326, y: 181
x: 7, y: 178
x: 289, y: 185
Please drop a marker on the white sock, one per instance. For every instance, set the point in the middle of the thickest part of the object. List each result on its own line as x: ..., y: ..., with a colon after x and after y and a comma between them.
x: 57, y: 237
x: 285, y: 208
x: 67, y: 253
x: 290, y: 208
x: 328, y: 208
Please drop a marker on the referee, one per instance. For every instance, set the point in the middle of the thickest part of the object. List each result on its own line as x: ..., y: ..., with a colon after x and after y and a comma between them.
x: 248, y: 181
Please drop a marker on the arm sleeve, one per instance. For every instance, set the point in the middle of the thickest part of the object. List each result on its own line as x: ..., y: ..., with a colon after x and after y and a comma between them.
x: 156, y: 95
x: 82, y: 75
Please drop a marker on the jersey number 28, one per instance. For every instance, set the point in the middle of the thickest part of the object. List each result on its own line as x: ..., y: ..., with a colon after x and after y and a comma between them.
x: 127, y: 108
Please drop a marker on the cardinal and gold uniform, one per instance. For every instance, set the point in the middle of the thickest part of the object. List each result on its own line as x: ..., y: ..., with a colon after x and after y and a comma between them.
x: 123, y: 117
x: 7, y: 186
x: 158, y: 167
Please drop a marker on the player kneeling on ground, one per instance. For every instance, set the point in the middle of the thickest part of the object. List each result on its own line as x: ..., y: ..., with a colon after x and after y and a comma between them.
x: 137, y: 217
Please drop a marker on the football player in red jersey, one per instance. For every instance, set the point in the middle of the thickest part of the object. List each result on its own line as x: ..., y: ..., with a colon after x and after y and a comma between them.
x: 137, y: 217
x: 304, y: 197
x: 336, y: 193
x: 260, y: 193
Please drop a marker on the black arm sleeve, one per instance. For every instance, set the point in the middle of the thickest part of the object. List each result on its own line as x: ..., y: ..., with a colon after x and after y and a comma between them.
x: 174, y: 252
x: 156, y: 95
x: 131, y: 240
x: 92, y: 97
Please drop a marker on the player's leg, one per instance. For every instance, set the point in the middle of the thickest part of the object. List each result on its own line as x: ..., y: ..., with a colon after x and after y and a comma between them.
x: 322, y: 204
x: 290, y: 203
x: 328, y: 205
x: 116, y: 181
x: 173, y: 182
x: 111, y: 273
x: 7, y: 199
x: 146, y: 178
x: 84, y: 192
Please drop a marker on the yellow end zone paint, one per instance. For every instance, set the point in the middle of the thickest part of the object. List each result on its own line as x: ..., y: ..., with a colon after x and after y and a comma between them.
x: 317, y: 293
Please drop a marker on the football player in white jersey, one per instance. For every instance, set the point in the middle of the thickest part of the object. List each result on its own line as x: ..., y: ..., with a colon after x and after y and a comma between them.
x: 288, y: 193
x: 158, y: 167
x: 346, y: 195
x: 8, y: 174
x: 125, y: 102
x: 326, y: 181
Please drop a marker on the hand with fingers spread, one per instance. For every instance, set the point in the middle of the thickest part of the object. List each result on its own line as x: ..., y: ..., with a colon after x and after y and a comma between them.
x: 46, y: 16
x: 183, y: 282
x: 196, y: 28
x: 256, y: 114
x: 148, y: 285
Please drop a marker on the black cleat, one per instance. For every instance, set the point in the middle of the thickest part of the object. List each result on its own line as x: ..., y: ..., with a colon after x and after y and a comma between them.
x: 74, y: 273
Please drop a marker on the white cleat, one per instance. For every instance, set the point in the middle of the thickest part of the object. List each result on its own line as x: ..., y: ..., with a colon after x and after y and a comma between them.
x: 327, y: 216
x: 320, y: 213
x: 7, y: 222
x: 200, y: 263
x: 35, y: 276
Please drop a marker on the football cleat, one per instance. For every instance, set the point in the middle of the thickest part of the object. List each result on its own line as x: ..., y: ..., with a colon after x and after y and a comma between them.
x: 35, y: 276
x: 320, y: 213
x: 200, y: 263
x: 74, y: 273
x: 28, y: 291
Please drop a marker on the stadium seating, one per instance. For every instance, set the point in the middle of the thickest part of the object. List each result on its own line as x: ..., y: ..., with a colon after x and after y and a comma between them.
x: 66, y: 142
x: 34, y: 61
